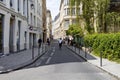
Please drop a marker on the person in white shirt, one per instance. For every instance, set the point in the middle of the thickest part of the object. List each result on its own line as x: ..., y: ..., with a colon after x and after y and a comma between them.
x: 60, y: 43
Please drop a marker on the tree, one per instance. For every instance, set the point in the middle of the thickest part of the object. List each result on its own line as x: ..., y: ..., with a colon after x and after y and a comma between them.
x: 88, y: 12
x: 75, y: 30
x: 96, y: 16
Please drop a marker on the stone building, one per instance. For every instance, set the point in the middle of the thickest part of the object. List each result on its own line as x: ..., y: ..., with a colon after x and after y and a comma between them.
x: 34, y: 22
x: 44, y: 20
x: 57, y: 29
x: 13, y: 25
x: 49, y: 24
x: 20, y: 24
x: 67, y: 16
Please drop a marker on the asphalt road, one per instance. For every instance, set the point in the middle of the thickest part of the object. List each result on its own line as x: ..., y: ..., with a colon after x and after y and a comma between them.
x: 59, y: 64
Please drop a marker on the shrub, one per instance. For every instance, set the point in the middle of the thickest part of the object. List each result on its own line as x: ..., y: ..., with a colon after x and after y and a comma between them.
x: 109, y: 44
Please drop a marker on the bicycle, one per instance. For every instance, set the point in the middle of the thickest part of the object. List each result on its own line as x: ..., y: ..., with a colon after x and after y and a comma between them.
x: 60, y: 46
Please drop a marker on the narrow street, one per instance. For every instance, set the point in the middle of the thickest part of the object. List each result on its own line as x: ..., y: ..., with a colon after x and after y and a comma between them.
x: 32, y: 32
x: 59, y: 64
x: 57, y: 56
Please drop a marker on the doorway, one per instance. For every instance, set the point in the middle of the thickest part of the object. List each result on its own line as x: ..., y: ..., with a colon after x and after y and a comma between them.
x: 1, y: 33
x: 30, y: 40
x: 11, y: 34
x: 18, y: 34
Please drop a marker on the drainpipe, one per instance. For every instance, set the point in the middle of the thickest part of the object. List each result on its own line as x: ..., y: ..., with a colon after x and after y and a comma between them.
x: 27, y: 11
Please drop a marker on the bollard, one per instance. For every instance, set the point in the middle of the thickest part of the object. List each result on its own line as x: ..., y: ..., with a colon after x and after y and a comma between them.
x: 45, y: 47
x: 32, y: 52
x: 101, y: 58
x: 38, y: 50
x: 79, y: 49
x: 85, y: 53
x: 75, y: 47
x: 42, y: 48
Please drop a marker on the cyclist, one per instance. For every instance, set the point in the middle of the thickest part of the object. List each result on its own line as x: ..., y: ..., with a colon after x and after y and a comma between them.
x: 60, y: 43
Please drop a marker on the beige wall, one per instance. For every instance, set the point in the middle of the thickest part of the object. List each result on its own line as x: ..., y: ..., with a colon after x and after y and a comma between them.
x: 44, y: 20
x: 49, y: 24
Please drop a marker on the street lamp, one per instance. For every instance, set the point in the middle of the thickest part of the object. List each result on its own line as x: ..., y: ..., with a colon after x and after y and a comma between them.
x: 32, y: 6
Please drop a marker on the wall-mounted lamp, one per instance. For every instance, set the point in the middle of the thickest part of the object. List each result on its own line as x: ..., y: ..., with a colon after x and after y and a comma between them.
x: 32, y: 6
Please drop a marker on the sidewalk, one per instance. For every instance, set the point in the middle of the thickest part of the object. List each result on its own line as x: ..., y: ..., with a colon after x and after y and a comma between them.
x: 110, y: 67
x: 20, y: 59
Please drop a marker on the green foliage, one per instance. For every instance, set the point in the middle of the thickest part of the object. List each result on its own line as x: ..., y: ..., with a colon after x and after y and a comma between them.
x: 96, y: 10
x: 89, y: 39
x: 108, y: 44
x: 72, y: 2
x: 74, y: 30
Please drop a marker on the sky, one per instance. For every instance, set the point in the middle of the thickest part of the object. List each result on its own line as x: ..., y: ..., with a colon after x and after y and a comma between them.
x: 53, y: 6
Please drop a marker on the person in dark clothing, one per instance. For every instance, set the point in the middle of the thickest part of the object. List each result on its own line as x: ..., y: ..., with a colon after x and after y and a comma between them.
x: 39, y: 42
x: 48, y: 41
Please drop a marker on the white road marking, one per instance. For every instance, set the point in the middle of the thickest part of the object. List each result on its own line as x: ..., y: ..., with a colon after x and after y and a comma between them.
x: 48, y: 60
x: 52, y: 54
x: 53, y: 49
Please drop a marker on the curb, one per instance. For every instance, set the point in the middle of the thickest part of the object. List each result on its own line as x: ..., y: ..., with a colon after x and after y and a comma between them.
x: 106, y: 71
x: 18, y: 67
x: 77, y: 54
x: 95, y: 65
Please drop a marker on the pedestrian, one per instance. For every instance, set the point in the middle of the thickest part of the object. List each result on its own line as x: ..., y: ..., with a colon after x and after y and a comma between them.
x: 68, y: 41
x: 48, y: 41
x: 39, y: 42
x: 60, y: 43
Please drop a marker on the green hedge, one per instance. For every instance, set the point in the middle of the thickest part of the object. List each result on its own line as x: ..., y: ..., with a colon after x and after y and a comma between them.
x: 108, y: 44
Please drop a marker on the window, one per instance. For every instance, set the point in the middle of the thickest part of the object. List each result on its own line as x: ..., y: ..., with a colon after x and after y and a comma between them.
x: 78, y: 11
x: 34, y: 21
x: 73, y: 11
x: 66, y: 2
x: 66, y: 23
x: 24, y: 11
x: 18, y: 5
x: 31, y: 17
x: 11, y: 3
x: 65, y: 11
x: 68, y: 11
x: 1, y: 0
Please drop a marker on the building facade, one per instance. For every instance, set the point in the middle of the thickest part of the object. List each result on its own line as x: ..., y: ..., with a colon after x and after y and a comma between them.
x: 34, y: 22
x: 44, y: 10
x: 49, y: 24
x: 67, y: 15
x: 20, y: 24
x: 13, y: 25
x: 57, y: 29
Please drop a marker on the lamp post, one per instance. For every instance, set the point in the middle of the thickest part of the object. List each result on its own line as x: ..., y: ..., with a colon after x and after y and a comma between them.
x: 85, y: 52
